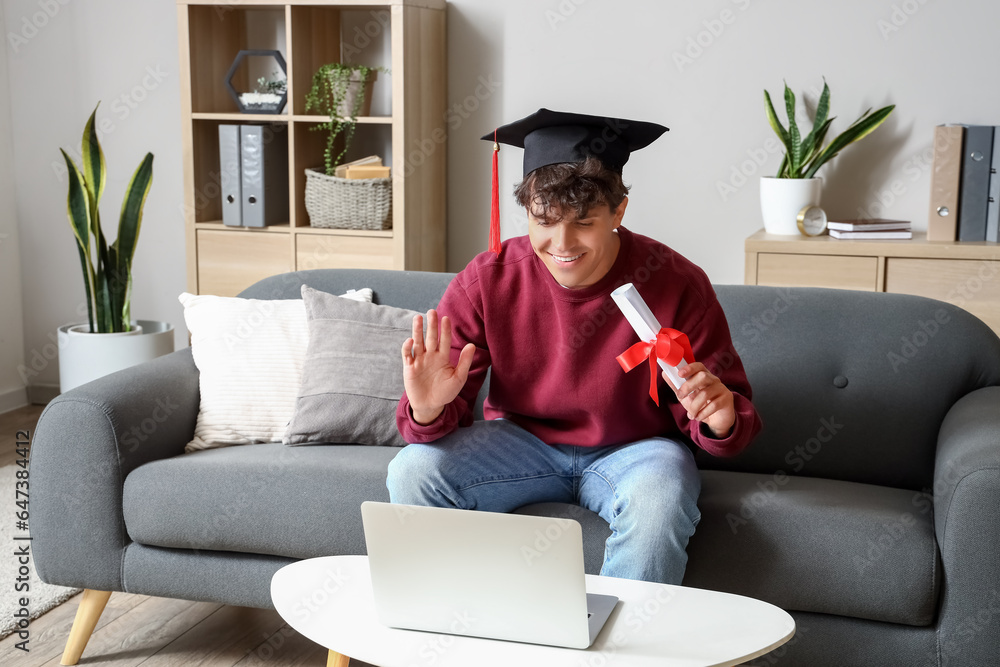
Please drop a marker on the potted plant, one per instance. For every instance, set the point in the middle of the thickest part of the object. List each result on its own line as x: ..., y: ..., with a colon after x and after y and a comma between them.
x: 343, y: 92
x: 796, y: 184
x: 110, y: 340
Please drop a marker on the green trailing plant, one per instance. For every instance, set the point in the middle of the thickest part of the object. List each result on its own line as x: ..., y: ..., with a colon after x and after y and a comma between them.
x: 107, y: 269
x: 330, y: 85
x: 804, y: 156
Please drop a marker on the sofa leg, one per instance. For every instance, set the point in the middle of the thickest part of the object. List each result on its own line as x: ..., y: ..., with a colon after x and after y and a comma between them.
x: 335, y: 659
x: 87, y: 615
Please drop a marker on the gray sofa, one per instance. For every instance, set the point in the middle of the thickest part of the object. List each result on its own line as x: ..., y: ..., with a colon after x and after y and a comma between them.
x: 869, y: 507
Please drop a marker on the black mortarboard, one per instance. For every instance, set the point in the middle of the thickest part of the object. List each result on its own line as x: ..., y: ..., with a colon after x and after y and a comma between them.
x: 555, y: 137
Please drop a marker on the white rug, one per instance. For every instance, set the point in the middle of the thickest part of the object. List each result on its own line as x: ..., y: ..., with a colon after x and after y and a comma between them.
x: 41, y: 596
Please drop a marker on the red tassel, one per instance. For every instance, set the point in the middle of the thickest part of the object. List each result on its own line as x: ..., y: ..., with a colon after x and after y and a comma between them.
x: 495, y: 208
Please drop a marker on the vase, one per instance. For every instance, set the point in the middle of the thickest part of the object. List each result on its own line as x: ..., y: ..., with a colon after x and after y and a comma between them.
x: 781, y: 199
x: 86, y: 356
x: 356, y: 86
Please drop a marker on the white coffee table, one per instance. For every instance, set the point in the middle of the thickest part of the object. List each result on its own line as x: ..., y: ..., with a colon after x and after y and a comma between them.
x: 329, y: 600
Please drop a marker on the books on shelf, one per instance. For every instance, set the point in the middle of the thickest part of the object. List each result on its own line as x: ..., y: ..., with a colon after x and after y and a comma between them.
x: 871, y: 236
x: 869, y: 225
x: 366, y: 167
x: 874, y: 228
x: 367, y: 171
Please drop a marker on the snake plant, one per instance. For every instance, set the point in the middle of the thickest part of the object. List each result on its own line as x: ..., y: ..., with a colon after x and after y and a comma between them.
x: 107, y: 269
x: 804, y: 156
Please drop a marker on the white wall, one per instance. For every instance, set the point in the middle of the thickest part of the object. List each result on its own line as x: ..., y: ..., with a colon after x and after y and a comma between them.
x: 507, y: 59
x: 627, y: 58
x: 12, y: 390
x: 64, y: 57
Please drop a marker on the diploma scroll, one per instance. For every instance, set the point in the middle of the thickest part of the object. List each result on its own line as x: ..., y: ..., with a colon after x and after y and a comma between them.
x: 644, y: 323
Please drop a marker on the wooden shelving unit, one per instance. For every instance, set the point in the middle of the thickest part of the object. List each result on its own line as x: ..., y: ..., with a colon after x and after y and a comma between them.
x: 965, y: 274
x: 309, y: 33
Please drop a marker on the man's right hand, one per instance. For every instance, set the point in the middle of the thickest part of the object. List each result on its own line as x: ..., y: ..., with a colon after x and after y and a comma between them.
x: 431, y: 382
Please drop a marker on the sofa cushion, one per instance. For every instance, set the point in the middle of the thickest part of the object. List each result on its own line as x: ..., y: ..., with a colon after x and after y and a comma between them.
x: 270, y: 499
x: 817, y: 545
x: 299, y: 502
x: 803, y: 544
x: 416, y: 290
x: 249, y: 354
x: 352, y: 376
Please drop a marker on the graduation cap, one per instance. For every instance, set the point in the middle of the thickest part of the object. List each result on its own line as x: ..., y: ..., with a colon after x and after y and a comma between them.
x: 555, y: 137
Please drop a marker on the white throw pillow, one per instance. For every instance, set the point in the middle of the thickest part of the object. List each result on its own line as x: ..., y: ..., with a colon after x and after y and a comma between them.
x: 249, y: 353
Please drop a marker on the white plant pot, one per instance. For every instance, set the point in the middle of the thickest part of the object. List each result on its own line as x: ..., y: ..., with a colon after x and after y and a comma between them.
x: 781, y: 199
x: 85, y: 356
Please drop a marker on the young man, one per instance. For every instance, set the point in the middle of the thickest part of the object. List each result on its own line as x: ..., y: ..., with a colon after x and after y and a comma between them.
x: 563, y: 421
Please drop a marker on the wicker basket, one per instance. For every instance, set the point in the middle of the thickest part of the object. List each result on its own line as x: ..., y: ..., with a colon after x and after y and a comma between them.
x: 341, y: 203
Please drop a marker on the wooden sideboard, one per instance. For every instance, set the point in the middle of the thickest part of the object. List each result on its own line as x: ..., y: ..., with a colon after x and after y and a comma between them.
x: 965, y: 274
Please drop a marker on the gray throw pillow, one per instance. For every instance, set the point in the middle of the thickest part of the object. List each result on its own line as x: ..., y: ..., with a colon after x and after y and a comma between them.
x: 352, y: 376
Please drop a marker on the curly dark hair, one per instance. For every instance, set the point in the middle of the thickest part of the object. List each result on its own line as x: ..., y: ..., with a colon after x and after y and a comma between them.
x: 550, y: 192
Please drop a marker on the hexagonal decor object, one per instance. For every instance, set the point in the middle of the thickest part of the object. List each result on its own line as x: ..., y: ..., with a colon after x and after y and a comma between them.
x: 270, y: 94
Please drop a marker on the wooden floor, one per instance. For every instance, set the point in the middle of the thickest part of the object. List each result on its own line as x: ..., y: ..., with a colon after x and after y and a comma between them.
x: 162, y: 632
x: 22, y: 419
x: 156, y: 632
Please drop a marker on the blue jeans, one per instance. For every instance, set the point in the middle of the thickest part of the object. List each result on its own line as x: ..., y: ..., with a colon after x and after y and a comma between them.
x: 646, y: 490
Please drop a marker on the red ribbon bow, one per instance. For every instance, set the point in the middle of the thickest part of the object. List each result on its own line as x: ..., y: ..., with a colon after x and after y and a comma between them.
x: 670, y: 345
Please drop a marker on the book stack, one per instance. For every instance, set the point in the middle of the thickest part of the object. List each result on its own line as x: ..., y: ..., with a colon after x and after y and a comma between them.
x: 366, y: 167
x: 875, y: 228
x: 965, y: 184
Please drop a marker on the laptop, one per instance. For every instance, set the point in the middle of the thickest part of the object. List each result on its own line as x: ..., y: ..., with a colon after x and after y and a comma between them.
x: 483, y: 574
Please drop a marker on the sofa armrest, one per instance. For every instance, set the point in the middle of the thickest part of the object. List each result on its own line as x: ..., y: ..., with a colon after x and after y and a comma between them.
x: 967, y: 526
x: 85, y: 444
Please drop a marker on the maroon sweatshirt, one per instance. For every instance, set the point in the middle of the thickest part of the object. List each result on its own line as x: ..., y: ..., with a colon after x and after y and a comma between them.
x: 552, y: 350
